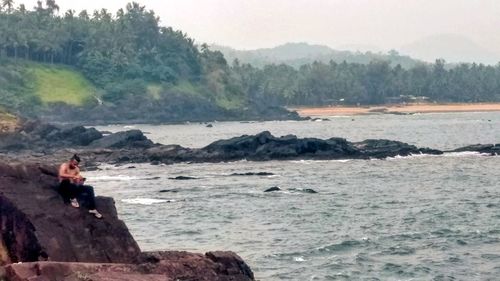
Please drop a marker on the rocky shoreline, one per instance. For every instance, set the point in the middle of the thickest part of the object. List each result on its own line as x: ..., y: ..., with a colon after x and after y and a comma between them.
x: 40, y: 141
x: 56, y: 242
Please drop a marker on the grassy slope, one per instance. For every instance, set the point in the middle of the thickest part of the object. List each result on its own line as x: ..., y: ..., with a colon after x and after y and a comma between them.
x: 55, y: 83
x: 224, y: 99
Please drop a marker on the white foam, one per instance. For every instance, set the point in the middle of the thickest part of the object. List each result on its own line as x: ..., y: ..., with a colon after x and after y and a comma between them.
x: 465, y: 154
x: 299, y: 259
x: 412, y: 156
x: 447, y: 154
x: 309, y: 162
x: 128, y: 127
x: 114, y: 178
x: 145, y: 201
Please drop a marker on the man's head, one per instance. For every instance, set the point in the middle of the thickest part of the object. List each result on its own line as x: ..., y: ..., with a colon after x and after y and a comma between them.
x: 74, y: 161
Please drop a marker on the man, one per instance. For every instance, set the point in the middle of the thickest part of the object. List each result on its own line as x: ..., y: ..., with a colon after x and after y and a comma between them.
x: 72, y: 185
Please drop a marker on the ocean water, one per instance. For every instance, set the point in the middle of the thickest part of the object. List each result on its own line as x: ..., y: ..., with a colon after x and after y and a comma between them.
x: 405, y: 218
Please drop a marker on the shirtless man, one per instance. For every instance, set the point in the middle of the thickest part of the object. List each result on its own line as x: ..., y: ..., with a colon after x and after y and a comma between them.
x: 71, y: 185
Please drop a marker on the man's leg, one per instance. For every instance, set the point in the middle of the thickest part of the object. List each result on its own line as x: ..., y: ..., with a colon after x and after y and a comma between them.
x: 90, y: 196
x: 65, y: 191
x: 89, y: 191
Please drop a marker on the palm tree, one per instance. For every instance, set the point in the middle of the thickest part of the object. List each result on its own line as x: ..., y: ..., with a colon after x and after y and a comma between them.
x: 22, y: 9
x: 9, y: 4
x: 51, y: 6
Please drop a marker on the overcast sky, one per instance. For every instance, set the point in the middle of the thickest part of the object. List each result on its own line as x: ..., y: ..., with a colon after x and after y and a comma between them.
x: 386, y: 24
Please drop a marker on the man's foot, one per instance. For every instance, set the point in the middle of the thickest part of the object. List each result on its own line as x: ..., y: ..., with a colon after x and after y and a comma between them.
x: 74, y: 203
x: 96, y: 213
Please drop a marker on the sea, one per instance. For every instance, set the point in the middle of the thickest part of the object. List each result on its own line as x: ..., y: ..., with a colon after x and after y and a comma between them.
x: 419, y: 217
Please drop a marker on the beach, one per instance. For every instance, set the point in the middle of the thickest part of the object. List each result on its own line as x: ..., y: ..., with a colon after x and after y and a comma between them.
x: 397, y: 109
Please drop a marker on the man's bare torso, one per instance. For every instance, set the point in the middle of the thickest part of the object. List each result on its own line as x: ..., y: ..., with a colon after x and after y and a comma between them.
x: 71, y: 174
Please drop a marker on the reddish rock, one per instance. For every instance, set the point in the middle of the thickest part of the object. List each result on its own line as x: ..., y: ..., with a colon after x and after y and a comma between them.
x: 36, y: 225
x: 43, y: 239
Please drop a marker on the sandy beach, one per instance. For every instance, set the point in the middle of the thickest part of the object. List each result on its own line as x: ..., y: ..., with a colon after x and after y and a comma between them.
x: 397, y: 109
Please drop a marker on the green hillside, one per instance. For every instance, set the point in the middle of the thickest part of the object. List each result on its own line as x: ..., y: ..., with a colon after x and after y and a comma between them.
x: 60, y: 84
x: 28, y: 86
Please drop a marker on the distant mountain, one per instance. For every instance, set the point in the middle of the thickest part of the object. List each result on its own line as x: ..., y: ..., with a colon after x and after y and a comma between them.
x: 452, y: 48
x: 359, y: 48
x: 297, y: 54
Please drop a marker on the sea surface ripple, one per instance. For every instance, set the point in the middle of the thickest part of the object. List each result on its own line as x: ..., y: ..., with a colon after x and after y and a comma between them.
x: 405, y: 218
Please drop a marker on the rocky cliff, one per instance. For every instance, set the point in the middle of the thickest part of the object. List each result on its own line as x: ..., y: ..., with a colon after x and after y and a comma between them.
x: 41, y: 238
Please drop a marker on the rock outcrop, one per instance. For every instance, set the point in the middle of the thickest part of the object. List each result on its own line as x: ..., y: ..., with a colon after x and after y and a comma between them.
x: 491, y: 149
x: 160, y: 266
x: 380, y: 148
x: 133, y: 147
x: 264, y: 146
x: 55, y: 241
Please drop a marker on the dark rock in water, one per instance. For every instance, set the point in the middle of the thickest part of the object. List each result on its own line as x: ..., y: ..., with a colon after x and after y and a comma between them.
x: 35, y: 226
x: 38, y: 136
x: 182, y: 178
x: 271, y: 189
x: 209, y: 126
x: 492, y: 149
x: 380, y: 148
x: 253, y: 174
x: 134, y: 147
x: 131, y: 167
x: 126, y: 139
x: 168, y: 190
x: 265, y: 146
x: 78, y: 135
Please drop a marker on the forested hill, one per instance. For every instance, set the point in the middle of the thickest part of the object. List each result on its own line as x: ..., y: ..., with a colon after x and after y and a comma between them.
x: 125, y: 67
x: 133, y: 68
x: 298, y: 54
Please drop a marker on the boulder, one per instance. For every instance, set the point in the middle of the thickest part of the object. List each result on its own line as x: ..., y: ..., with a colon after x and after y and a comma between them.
x: 182, y: 178
x: 126, y: 139
x: 41, y: 238
x: 36, y: 225
x: 271, y: 189
x: 75, y: 136
x: 265, y: 146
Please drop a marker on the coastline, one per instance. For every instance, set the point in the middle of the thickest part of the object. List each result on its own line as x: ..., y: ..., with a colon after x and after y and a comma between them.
x: 396, y: 109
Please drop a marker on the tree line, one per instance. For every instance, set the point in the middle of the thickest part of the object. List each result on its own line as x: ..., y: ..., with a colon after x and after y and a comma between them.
x: 105, y: 47
x: 122, y: 53
x: 377, y: 82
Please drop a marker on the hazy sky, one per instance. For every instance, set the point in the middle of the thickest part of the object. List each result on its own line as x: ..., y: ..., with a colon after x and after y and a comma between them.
x: 386, y: 24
